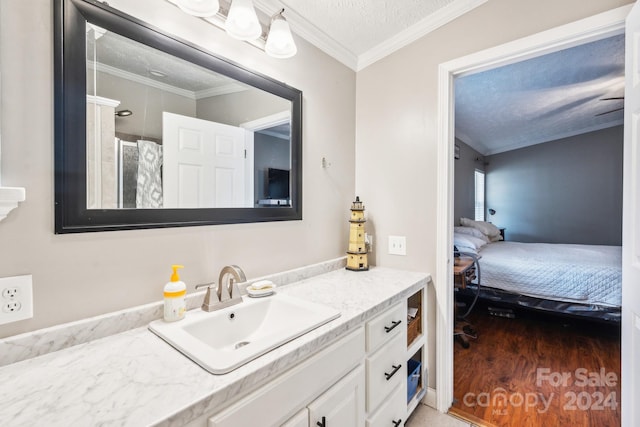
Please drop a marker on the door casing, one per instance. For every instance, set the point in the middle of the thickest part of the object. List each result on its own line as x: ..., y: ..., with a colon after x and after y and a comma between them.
x: 596, y: 27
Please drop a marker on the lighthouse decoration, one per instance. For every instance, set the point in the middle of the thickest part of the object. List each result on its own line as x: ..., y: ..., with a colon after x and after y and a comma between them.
x: 357, y: 253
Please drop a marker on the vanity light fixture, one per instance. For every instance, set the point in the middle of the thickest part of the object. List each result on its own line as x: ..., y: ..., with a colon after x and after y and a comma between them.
x: 280, y: 42
x: 239, y: 19
x: 242, y: 22
x: 124, y: 113
x: 201, y: 8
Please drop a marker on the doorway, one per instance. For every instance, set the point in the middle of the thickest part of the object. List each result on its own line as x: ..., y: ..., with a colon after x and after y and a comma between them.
x: 600, y: 26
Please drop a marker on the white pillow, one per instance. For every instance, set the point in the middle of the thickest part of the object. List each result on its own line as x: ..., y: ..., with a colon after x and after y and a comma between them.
x: 485, y: 227
x: 466, y: 249
x: 471, y: 231
x: 467, y: 241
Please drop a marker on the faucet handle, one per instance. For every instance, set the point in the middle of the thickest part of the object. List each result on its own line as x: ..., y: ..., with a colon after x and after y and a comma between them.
x: 207, y: 304
x: 208, y: 285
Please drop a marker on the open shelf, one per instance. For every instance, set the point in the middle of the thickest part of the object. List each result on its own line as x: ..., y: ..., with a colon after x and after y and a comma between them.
x: 414, y: 324
x: 416, y: 350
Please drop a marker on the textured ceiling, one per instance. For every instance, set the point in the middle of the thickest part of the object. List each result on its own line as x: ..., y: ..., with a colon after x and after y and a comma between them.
x: 116, y: 54
x: 361, y: 32
x: 541, y: 99
x: 361, y: 25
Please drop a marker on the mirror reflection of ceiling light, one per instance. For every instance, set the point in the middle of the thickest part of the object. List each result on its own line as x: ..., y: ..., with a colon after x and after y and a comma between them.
x: 157, y: 73
x: 201, y: 8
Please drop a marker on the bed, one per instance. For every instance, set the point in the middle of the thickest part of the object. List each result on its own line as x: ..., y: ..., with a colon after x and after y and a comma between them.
x: 570, y: 279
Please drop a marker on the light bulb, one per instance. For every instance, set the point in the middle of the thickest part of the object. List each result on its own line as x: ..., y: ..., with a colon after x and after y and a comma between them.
x: 280, y: 42
x: 242, y: 22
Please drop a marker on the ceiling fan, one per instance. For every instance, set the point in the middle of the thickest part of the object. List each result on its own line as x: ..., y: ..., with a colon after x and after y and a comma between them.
x: 613, y: 98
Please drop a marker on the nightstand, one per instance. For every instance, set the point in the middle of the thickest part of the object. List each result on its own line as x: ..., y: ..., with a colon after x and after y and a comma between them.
x: 464, y: 272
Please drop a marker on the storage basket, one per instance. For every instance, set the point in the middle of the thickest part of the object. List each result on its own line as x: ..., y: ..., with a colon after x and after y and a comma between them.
x: 413, y: 379
x: 413, y: 328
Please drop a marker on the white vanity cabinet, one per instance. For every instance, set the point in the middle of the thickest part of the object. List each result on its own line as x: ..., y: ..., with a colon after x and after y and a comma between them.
x: 386, y: 367
x: 330, y: 384
x: 363, y: 379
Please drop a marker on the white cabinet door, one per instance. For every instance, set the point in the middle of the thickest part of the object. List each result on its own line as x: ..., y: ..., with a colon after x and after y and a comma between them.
x: 342, y: 405
x: 301, y: 419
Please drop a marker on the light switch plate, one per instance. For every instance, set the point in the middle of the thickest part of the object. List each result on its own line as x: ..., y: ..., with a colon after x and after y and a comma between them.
x: 397, y: 245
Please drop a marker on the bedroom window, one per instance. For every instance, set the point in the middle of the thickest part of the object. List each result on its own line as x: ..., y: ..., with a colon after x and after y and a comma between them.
x: 479, y: 195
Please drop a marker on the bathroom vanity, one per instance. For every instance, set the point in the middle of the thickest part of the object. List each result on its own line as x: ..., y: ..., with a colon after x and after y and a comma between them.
x: 352, y: 370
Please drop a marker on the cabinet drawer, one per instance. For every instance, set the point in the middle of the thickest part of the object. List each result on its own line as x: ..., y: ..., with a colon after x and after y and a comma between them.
x: 388, y: 325
x: 392, y: 412
x: 386, y: 369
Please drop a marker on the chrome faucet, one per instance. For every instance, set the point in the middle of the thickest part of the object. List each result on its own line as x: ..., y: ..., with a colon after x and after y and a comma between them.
x: 227, y: 293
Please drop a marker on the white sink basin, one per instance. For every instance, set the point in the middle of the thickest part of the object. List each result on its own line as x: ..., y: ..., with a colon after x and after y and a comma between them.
x: 223, y: 340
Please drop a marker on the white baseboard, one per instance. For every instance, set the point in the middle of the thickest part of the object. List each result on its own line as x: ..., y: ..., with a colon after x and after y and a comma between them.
x: 430, y: 397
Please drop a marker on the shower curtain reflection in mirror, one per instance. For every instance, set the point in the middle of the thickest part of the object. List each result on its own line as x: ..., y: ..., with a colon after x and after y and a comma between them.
x: 139, y: 174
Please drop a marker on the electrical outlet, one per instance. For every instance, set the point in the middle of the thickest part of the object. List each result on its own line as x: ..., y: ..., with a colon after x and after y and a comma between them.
x: 10, y: 293
x: 397, y: 245
x: 16, y: 298
x: 11, y: 306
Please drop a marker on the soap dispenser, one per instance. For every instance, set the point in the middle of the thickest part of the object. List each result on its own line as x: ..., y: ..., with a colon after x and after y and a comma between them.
x: 174, y: 293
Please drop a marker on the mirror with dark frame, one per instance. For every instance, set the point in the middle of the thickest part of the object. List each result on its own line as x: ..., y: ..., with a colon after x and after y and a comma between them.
x: 152, y: 131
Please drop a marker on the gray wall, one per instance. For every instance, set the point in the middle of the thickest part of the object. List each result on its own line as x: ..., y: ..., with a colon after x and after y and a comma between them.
x: 464, y: 181
x: 239, y: 107
x: 565, y: 191
x: 269, y: 152
x: 147, y: 104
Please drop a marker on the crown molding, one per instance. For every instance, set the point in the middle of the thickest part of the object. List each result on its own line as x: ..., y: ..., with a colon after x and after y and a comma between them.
x: 307, y: 30
x: 117, y: 72
x: 557, y: 137
x: 431, y: 23
x: 310, y: 32
x: 479, y: 147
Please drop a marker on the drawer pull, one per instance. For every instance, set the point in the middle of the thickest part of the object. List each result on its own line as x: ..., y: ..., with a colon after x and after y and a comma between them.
x: 388, y: 329
x: 322, y: 423
x: 397, y: 423
x: 395, y: 369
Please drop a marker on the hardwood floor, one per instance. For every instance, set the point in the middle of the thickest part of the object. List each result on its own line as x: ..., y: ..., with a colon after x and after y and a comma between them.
x: 538, y: 371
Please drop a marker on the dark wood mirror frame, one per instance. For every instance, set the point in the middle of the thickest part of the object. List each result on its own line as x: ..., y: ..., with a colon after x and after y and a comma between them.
x: 71, y: 213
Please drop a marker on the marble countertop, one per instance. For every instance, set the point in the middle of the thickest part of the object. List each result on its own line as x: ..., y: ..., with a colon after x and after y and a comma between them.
x: 133, y: 378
